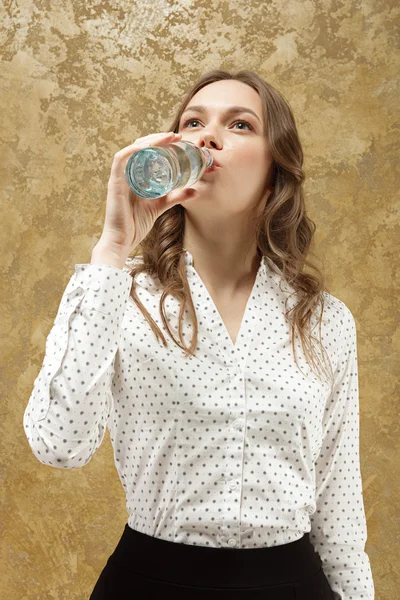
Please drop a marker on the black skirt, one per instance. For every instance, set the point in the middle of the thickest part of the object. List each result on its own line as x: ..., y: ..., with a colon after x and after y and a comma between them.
x: 143, y: 567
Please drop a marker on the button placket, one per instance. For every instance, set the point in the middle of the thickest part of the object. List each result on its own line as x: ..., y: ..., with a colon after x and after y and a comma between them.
x: 232, y: 497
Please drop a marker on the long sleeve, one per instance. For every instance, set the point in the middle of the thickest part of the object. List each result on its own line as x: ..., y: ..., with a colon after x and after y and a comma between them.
x: 338, y: 527
x: 67, y: 412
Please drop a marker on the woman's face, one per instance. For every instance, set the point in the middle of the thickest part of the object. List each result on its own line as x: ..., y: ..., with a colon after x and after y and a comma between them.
x: 238, y: 143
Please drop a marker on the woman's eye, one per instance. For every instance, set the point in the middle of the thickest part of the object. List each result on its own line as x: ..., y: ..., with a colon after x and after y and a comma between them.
x: 197, y: 121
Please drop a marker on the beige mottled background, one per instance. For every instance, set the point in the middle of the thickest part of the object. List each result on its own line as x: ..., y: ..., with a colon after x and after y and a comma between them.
x: 82, y: 79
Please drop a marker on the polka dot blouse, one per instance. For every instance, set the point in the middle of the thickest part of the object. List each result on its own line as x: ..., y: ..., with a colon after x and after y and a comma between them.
x: 235, y: 447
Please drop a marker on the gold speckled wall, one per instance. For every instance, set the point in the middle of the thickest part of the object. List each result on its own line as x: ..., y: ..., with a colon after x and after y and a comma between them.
x: 81, y: 80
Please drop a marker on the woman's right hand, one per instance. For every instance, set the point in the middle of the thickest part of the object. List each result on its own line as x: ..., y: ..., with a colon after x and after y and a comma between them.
x: 129, y: 218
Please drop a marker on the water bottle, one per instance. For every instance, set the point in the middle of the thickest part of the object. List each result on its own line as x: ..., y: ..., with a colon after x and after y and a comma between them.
x: 155, y: 171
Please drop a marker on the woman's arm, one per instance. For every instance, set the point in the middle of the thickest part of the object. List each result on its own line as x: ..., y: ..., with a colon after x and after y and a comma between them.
x: 338, y: 527
x: 67, y: 412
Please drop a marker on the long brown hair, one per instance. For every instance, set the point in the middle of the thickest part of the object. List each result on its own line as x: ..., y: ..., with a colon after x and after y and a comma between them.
x: 284, y: 232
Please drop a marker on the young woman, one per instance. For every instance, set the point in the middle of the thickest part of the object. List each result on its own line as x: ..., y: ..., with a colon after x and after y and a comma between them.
x: 237, y: 444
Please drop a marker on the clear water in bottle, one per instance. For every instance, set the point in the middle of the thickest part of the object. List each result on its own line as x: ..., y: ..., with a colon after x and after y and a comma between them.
x: 155, y: 171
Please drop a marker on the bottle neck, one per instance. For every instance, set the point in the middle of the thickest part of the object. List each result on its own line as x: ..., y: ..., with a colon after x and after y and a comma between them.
x: 209, y: 157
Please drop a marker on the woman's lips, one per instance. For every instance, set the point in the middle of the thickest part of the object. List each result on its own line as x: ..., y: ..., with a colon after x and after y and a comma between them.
x: 214, y: 167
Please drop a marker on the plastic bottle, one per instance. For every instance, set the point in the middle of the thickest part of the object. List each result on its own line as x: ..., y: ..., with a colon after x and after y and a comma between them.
x: 155, y: 171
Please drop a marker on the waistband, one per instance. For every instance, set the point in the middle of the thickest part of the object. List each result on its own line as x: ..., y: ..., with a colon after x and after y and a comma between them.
x: 187, y: 564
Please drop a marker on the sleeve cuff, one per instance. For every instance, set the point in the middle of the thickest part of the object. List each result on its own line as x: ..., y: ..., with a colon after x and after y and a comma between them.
x: 103, y: 288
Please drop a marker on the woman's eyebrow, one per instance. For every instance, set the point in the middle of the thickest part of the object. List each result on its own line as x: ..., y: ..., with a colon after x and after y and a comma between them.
x: 232, y: 110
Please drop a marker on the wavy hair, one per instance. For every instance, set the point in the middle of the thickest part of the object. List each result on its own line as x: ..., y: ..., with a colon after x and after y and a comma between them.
x: 284, y: 232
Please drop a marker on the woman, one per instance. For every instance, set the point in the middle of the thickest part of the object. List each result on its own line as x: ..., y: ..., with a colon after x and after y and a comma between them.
x: 238, y: 458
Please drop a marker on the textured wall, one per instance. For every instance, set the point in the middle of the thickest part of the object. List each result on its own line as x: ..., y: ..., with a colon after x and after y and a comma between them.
x: 79, y: 81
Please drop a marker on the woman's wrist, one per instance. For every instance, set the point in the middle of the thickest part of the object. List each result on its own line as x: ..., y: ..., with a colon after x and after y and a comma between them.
x: 103, y: 255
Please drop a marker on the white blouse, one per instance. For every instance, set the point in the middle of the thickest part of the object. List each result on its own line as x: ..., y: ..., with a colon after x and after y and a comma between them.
x: 235, y: 447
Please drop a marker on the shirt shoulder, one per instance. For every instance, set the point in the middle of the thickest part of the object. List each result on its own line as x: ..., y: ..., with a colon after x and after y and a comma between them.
x: 337, y: 309
x: 147, y: 288
x: 338, y: 325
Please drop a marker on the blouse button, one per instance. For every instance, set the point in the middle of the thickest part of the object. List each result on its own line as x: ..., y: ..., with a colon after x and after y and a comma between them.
x: 238, y: 424
x: 95, y: 285
x: 232, y: 542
